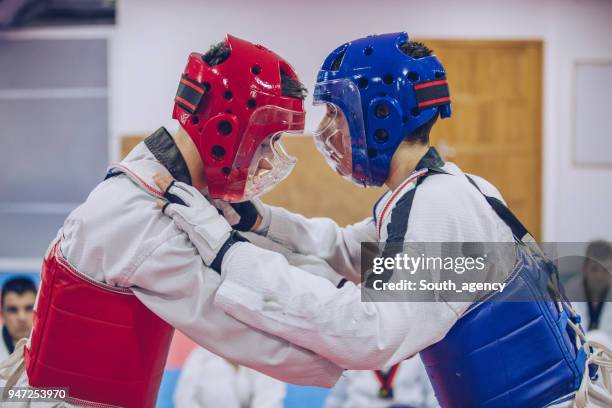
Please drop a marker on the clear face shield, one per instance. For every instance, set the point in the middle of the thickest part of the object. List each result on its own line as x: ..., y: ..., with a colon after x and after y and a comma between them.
x: 269, y: 164
x: 340, y: 136
x: 333, y: 139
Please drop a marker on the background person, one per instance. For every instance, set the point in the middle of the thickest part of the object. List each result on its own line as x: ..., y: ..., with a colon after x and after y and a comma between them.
x: 403, y: 385
x: 209, y: 381
x: 590, y: 291
x: 18, y: 297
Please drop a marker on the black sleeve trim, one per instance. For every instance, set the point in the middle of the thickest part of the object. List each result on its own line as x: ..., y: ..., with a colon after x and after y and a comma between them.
x: 233, y: 238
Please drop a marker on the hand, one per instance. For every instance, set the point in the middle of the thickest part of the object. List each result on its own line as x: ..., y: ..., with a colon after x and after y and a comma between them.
x: 245, y: 216
x: 195, y: 215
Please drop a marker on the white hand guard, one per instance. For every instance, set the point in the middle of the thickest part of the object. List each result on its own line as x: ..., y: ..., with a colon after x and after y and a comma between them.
x: 198, y: 218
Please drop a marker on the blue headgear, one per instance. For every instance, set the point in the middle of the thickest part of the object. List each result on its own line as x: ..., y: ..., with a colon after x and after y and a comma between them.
x: 384, y: 95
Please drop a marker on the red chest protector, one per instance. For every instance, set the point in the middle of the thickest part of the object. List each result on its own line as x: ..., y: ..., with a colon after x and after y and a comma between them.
x: 99, y: 341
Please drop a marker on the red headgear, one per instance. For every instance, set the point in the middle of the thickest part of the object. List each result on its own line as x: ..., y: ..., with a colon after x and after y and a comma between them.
x: 234, y: 112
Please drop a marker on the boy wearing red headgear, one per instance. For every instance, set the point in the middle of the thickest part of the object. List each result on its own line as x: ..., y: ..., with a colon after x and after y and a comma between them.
x: 120, y: 277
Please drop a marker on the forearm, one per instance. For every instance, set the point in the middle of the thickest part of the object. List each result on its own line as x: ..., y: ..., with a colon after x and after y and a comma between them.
x: 321, y: 237
x: 176, y: 286
x: 260, y: 288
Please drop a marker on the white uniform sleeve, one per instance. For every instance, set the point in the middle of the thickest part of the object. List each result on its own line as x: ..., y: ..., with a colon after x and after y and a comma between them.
x: 261, y: 288
x: 322, y: 237
x: 308, y: 263
x: 173, y: 282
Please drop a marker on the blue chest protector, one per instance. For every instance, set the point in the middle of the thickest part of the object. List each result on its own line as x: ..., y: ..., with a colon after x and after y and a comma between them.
x: 516, y: 349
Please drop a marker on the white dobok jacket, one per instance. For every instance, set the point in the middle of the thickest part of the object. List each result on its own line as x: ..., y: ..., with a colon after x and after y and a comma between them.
x: 120, y: 237
x: 263, y: 289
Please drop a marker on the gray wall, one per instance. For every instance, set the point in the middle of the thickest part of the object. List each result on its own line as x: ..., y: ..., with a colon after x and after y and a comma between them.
x: 54, y: 136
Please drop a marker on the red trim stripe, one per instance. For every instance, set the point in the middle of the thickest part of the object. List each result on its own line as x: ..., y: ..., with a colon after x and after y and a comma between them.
x: 434, y: 101
x: 432, y: 83
x: 395, y: 193
x: 71, y: 269
x: 185, y: 102
x: 191, y: 85
x: 146, y: 185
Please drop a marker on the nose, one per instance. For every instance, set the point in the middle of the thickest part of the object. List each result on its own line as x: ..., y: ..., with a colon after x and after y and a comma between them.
x: 22, y: 315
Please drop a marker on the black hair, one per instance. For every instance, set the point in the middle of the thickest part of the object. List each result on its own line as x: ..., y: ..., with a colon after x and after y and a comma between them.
x: 338, y: 61
x: 19, y: 285
x: 421, y: 134
x: 216, y: 54
x: 290, y: 86
x: 416, y: 50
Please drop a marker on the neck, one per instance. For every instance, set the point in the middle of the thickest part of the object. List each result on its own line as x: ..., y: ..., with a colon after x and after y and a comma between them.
x: 192, y: 158
x: 404, y: 162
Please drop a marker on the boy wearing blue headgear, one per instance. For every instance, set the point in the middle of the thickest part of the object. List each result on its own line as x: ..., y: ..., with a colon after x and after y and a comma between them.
x: 382, y: 94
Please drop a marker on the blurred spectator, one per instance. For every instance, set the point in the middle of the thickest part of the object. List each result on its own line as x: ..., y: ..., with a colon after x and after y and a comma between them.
x: 209, y: 381
x: 590, y: 292
x: 17, y: 301
x: 404, y: 385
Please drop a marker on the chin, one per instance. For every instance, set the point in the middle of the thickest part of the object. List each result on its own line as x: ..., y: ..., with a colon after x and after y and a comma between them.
x: 23, y: 334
